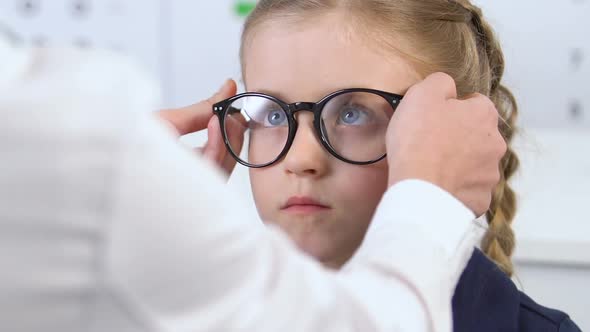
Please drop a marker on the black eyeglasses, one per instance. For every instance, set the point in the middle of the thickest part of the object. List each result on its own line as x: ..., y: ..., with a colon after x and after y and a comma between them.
x: 259, y: 129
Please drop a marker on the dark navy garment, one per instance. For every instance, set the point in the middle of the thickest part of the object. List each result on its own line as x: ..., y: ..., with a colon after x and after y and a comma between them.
x: 486, y: 300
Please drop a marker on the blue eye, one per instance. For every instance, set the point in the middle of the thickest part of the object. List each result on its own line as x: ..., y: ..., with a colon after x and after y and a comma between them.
x: 352, y: 116
x: 276, y: 118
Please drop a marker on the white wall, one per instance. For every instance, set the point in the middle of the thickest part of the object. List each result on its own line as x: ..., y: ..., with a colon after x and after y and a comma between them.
x: 548, y: 67
x: 192, y: 46
x: 559, y: 286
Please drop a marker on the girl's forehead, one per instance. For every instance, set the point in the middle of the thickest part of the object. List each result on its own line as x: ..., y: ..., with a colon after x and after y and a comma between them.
x: 316, y: 59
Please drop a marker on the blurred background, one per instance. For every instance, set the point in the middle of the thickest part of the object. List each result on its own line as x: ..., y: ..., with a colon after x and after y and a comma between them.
x: 192, y: 47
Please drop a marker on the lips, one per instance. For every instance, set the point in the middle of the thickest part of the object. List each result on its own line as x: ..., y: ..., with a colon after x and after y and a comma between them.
x: 303, y: 204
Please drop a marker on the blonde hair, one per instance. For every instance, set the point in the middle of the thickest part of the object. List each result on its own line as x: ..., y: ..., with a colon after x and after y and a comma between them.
x: 448, y: 36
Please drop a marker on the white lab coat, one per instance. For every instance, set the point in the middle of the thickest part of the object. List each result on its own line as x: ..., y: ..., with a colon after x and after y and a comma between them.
x: 107, y: 224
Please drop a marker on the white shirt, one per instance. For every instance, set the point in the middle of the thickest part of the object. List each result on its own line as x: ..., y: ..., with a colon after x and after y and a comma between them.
x: 107, y: 224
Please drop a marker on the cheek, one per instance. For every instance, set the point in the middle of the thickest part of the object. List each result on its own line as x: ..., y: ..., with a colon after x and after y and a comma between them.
x: 261, y: 182
x: 364, y: 187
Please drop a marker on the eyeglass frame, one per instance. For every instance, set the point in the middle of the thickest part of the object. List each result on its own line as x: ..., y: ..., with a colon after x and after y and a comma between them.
x: 223, y: 107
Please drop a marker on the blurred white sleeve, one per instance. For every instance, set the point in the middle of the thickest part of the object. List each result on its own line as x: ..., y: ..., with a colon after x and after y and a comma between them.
x: 184, y: 253
x: 107, y: 224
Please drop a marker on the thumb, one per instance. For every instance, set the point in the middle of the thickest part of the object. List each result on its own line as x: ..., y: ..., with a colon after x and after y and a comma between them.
x: 195, y: 117
x: 228, y: 89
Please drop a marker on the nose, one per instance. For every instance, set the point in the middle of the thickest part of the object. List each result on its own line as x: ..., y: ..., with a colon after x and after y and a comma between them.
x: 306, y: 157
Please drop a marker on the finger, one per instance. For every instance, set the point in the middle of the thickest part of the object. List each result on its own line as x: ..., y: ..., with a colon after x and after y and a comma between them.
x: 195, y: 117
x: 485, y: 110
x: 215, y: 149
x: 228, y: 164
x: 235, y: 128
x: 228, y: 89
x: 502, y: 146
x: 440, y: 84
x: 481, y: 101
x: 199, y: 150
x: 236, y: 139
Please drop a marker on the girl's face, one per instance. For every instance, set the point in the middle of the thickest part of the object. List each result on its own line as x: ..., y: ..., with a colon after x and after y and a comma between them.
x: 305, y: 62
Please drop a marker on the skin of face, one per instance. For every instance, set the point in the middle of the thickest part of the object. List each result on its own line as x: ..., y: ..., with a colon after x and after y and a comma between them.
x: 305, y: 61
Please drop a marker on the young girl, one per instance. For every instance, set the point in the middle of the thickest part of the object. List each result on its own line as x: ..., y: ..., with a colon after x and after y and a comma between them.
x: 325, y: 77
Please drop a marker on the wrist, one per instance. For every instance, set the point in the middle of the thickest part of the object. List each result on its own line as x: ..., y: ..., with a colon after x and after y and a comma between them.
x: 399, y: 174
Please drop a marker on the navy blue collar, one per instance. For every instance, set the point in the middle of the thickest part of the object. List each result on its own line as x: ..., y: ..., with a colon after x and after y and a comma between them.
x: 486, y: 300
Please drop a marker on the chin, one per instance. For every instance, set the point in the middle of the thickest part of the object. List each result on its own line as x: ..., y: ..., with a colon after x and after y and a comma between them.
x: 321, y: 253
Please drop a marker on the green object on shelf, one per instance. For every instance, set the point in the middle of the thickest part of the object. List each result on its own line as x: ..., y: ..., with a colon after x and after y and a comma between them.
x: 244, y: 8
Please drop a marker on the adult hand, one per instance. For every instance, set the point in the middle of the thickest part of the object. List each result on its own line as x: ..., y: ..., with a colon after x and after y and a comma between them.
x: 199, y: 116
x: 452, y: 143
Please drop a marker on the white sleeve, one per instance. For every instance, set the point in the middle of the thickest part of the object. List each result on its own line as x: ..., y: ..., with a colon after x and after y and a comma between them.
x: 169, y: 248
x: 425, y: 237
x: 184, y: 255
